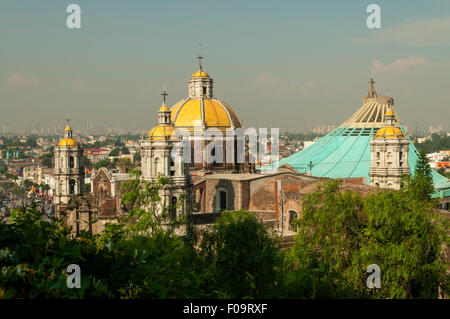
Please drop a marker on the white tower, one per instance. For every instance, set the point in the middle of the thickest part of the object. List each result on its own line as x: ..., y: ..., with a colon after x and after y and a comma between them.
x: 156, y: 154
x: 69, y: 176
x: 389, y: 154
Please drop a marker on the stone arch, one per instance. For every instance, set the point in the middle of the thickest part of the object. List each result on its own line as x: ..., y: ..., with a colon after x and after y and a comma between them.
x: 227, y: 198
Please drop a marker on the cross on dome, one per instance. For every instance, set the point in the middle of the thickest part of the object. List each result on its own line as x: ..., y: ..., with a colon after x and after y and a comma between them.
x: 164, y: 94
x: 200, y: 62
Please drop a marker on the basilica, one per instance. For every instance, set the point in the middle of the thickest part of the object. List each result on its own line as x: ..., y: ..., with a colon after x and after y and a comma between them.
x: 368, y: 151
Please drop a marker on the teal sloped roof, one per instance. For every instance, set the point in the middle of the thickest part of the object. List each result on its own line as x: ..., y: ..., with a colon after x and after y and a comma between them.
x: 345, y: 153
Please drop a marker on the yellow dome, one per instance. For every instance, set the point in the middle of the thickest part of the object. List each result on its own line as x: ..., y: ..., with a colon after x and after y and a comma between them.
x: 390, y: 132
x: 68, y: 128
x: 211, y: 113
x: 200, y: 74
x: 161, y: 132
x: 68, y: 142
x: 389, y: 112
x: 163, y: 108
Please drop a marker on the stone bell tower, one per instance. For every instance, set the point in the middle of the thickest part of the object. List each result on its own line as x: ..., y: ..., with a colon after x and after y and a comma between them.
x: 68, y: 171
x: 389, y: 154
x: 161, y: 157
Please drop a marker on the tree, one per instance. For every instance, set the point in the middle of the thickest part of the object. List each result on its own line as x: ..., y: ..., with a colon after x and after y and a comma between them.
x: 241, y: 256
x: 31, y: 141
x: 124, y: 162
x: 118, y: 142
x: 137, y: 157
x: 47, y: 157
x: 115, y: 152
x: 103, y: 163
x: 343, y: 233
x: 422, y: 181
x: 124, y: 150
x: 87, y: 162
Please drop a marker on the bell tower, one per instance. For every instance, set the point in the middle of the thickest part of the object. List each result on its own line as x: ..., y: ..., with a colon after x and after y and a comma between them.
x: 389, y: 154
x: 161, y: 157
x: 68, y: 171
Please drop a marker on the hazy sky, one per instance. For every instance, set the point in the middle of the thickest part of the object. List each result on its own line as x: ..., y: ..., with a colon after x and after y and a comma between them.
x: 287, y: 64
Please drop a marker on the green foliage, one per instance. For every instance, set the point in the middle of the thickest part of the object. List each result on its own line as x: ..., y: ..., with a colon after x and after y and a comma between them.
x: 343, y: 233
x: 422, y: 181
x: 124, y: 150
x: 118, y: 142
x: 241, y: 257
x: 437, y: 143
x: 137, y: 157
x: 115, y: 152
x: 340, y: 234
x: 103, y: 163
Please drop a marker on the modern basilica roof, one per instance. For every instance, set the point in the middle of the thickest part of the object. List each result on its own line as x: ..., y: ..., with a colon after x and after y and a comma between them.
x: 345, y: 152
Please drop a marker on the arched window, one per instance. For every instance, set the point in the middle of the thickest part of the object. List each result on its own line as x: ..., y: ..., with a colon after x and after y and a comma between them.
x: 378, y: 156
x: 156, y: 167
x: 292, y: 217
x: 221, y: 200
x: 172, y: 167
x: 71, y: 162
x: 72, y: 184
x: 173, y: 208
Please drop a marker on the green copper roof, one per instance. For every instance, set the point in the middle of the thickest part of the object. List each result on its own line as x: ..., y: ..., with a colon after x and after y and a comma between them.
x: 345, y: 153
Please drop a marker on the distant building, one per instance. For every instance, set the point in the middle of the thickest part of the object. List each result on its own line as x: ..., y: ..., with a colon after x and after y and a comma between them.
x: 96, y: 154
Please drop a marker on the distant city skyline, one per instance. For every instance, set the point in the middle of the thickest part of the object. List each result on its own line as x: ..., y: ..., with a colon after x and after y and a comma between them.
x: 291, y: 64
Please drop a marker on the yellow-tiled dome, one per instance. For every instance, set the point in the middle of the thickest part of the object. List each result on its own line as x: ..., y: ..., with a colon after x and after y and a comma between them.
x: 68, y: 128
x: 388, y: 112
x: 390, y: 132
x: 210, y: 112
x: 163, y: 108
x: 162, y: 132
x: 68, y: 142
x: 200, y: 74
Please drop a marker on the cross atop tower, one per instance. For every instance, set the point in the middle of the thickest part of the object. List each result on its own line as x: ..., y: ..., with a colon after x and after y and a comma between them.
x: 67, y: 119
x: 200, y: 62
x: 371, y: 93
x: 164, y: 94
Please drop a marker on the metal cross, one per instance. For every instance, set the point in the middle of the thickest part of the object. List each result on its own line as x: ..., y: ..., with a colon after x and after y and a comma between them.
x: 164, y: 94
x: 200, y: 61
